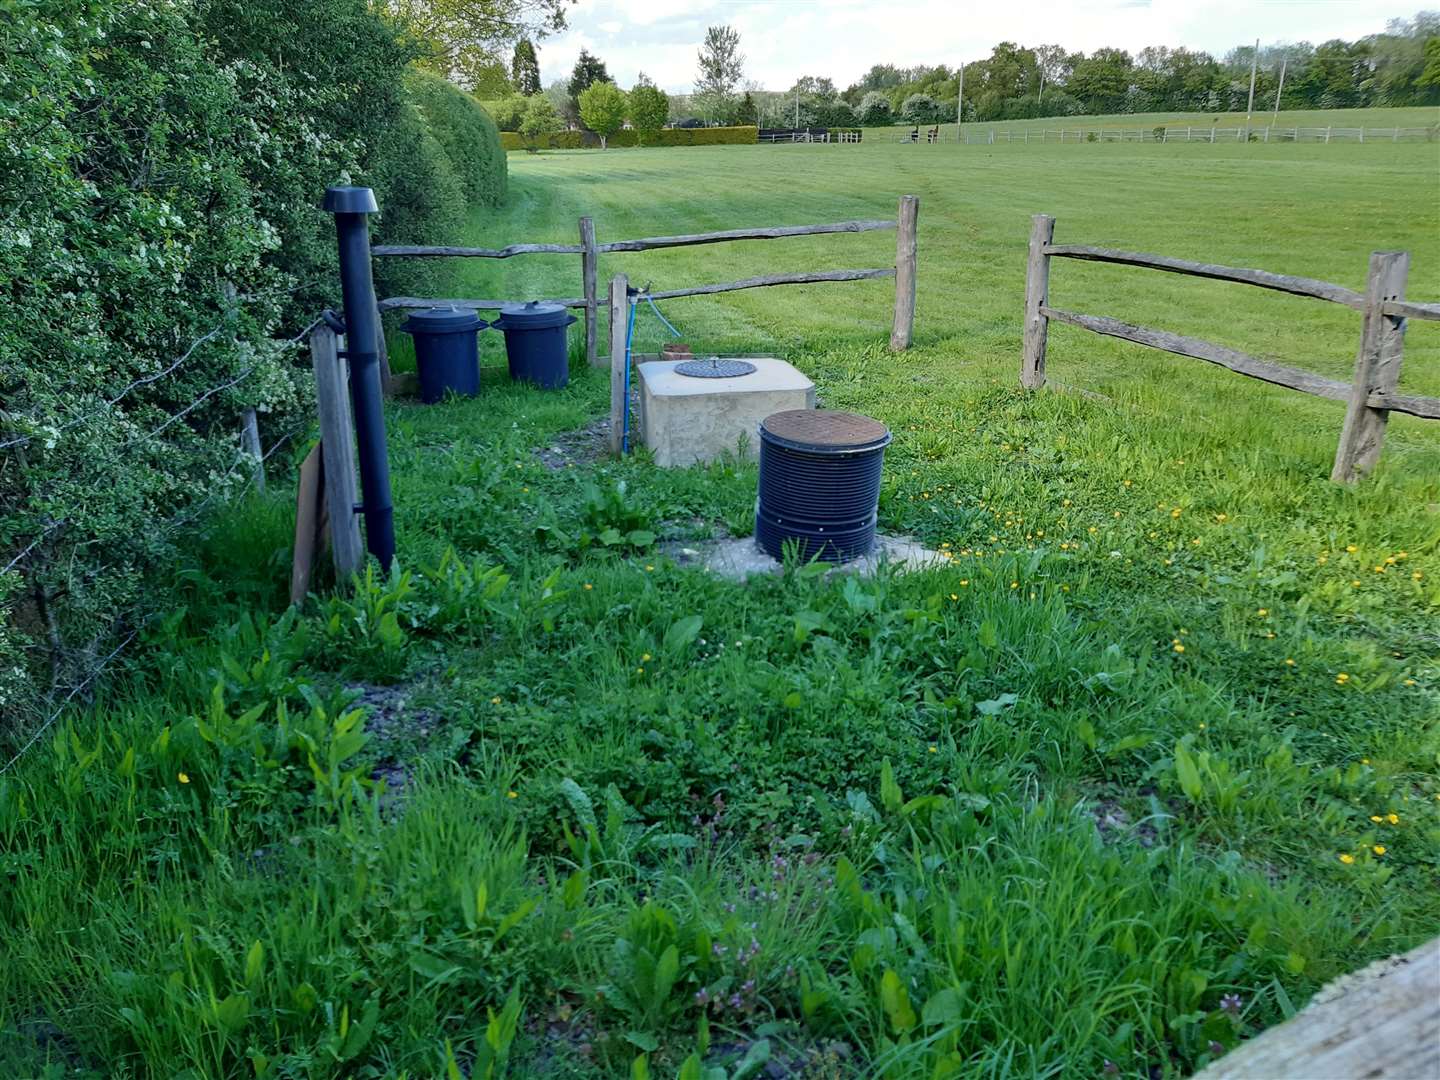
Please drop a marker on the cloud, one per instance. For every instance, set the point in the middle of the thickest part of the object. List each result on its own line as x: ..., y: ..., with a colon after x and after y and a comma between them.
x: 784, y: 39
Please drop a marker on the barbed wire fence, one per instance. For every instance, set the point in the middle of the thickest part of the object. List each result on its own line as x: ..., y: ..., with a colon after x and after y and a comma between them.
x: 221, y: 487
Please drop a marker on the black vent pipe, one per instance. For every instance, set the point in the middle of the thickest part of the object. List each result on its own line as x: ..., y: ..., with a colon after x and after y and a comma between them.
x: 350, y: 205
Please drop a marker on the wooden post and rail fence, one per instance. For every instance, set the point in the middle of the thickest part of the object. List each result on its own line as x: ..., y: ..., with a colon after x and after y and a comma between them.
x: 590, y: 251
x: 1371, y: 395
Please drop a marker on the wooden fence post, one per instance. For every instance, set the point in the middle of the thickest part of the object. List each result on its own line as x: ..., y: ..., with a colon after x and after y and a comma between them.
x: 1377, y: 367
x: 1037, y: 293
x: 619, y: 331
x: 250, y: 440
x: 382, y: 350
x: 589, y: 265
x: 904, y: 323
x: 337, y: 440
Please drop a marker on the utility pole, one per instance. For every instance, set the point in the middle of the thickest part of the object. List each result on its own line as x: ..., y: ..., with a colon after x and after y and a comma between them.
x: 797, y: 108
x: 1250, y: 106
x: 960, y: 106
x: 1275, y: 119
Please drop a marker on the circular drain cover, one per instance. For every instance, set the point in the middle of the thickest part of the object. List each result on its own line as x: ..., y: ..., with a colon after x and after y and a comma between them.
x: 714, y: 368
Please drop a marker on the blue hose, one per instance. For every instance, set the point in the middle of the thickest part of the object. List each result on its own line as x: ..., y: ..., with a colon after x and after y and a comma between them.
x: 629, y: 338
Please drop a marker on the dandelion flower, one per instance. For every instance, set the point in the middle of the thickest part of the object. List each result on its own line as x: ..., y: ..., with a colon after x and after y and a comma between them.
x: 1347, y: 858
x: 1342, y: 678
x: 1379, y: 849
x: 588, y: 586
x: 512, y: 794
x: 1393, y: 819
x: 1178, y: 647
x: 1376, y: 818
x: 934, y: 749
x: 645, y: 656
x: 1289, y: 661
x: 1263, y: 612
x: 183, y: 778
x: 1351, y: 548
x: 494, y: 701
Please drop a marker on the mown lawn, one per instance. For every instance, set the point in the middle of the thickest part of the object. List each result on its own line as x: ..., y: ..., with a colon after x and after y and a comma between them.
x: 1373, y: 120
x: 1153, y: 757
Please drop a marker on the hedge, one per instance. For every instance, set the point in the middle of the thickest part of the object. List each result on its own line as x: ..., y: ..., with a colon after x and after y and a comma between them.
x: 577, y: 140
x: 161, y: 176
x: 466, y: 133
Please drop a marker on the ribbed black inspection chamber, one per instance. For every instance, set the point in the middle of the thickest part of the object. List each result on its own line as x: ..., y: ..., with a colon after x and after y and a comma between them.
x: 819, y: 483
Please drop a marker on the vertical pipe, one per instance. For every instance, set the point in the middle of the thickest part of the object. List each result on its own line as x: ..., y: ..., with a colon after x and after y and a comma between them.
x: 350, y: 205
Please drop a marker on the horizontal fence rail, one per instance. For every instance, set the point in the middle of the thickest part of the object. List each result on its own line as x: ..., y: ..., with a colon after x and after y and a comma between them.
x: 1297, y: 286
x: 589, y: 250
x: 1371, y: 395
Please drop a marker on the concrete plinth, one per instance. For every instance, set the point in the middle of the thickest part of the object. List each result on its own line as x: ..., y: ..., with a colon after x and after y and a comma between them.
x: 686, y: 420
x: 740, y: 557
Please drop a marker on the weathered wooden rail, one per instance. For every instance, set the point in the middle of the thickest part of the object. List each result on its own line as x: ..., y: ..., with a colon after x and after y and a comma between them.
x: 1370, y: 397
x: 589, y: 250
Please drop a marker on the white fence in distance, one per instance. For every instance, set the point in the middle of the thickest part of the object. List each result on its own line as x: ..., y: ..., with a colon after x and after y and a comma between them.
x: 1211, y: 133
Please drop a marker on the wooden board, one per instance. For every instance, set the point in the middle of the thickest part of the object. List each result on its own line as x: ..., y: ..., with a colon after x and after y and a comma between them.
x: 309, y: 509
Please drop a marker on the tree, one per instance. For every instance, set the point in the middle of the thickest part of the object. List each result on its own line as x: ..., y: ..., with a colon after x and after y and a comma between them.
x: 649, y: 109
x: 602, y: 109
x: 1430, y: 76
x: 721, y: 67
x: 466, y: 40
x: 541, y: 120
x: 748, y: 113
x: 587, y: 72
x: 525, y: 69
x: 875, y: 109
x: 1102, y: 80
x: 920, y: 109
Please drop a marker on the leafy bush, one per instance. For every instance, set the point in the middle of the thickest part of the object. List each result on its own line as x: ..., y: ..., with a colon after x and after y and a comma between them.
x: 161, y: 170
x: 465, y: 132
x: 920, y: 109
x: 507, y: 112
x: 541, y: 121
x: 875, y: 109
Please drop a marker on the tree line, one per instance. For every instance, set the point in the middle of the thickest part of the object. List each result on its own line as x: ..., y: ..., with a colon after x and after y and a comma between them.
x: 1400, y: 66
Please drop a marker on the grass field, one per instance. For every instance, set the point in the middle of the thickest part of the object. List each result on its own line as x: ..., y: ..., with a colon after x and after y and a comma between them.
x: 1152, y: 758
x: 1419, y: 116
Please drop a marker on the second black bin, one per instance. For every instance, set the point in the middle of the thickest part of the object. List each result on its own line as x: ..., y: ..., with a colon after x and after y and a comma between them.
x: 447, y: 358
x: 819, y: 483
x: 535, y: 343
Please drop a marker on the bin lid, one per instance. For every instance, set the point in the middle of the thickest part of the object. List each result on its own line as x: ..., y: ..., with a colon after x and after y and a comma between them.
x: 532, y: 315
x: 442, y: 320
x: 824, y: 431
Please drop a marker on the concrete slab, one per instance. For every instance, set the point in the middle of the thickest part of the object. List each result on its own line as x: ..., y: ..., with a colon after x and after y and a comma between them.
x: 686, y: 420
x: 737, y: 558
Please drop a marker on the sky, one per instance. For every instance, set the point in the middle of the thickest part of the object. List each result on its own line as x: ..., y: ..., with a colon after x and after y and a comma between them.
x: 784, y: 39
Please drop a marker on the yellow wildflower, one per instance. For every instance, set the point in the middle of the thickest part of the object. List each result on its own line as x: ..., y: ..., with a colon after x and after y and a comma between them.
x: 1347, y: 858
x: 1379, y: 849
x: 183, y: 778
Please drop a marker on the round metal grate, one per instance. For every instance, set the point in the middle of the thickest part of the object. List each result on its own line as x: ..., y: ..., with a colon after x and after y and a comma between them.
x: 825, y: 430
x: 714, y: 368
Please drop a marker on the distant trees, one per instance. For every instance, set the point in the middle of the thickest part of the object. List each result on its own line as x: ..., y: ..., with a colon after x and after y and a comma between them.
x: 602, y: 109
x: 1400, y: 66
x: 587, y: 72
x: 525, y: 69
x: 747, y: 112
x: 466, y: 40
x: 875, y: 109
x: 920, y: 109
x: 649, y: 109
x: 540, y: 120
x: 722, y: 65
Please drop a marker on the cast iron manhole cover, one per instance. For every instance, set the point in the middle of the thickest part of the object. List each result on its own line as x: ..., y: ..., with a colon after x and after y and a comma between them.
x: 714, y: 368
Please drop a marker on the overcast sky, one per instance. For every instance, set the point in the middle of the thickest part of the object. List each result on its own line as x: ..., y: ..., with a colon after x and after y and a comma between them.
x: 784, y: 39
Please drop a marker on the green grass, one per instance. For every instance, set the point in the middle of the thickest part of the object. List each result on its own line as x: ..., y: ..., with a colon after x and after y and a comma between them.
x: 1418, y: 116
x: 1036, y: 811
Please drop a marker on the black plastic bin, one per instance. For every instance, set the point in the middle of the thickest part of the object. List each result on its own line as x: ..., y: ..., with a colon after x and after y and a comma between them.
x: 535, y: 344
x: 819, y: 483
x: 447, y: 355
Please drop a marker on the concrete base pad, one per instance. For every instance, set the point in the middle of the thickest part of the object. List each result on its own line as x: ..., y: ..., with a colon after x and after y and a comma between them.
x: 687, y: 420
x: 739, y: 557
